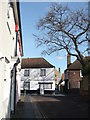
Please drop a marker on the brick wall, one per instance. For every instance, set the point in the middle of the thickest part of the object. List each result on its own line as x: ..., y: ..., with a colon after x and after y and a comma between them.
x: 74, y: 78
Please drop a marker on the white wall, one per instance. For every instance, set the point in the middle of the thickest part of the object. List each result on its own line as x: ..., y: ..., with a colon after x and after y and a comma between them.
x: 7, y: 43
x: 1, y: 86
x: 4, y: 88
x: 35, y: 77
x: 7, y: 49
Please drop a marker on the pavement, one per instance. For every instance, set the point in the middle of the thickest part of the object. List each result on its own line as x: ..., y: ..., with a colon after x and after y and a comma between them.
x: 26, y: 109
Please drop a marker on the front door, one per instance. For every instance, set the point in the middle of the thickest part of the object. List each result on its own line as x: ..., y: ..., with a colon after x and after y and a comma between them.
x: 27, y: 85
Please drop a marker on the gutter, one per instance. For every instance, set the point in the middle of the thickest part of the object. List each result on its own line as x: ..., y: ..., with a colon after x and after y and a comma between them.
x: 16, y: 43
x: 15, y: 65
x: 16, y: 11
x: 18, y: 8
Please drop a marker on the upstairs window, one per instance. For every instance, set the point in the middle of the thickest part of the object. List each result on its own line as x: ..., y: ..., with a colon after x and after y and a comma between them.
x: 26, y: 72
x: 81, y: 73
x: 42, y: 72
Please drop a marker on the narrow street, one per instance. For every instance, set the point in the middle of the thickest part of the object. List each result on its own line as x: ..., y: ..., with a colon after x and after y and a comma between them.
x: 52, y: 106
x: 26, y: 109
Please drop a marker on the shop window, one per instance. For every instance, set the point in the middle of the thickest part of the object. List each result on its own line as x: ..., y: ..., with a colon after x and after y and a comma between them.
x: 47, y: 86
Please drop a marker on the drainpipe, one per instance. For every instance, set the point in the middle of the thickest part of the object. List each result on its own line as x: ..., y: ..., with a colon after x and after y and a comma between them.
x: 16, y: 30
x: 15, y: 90
x: 15, y: 65
x: 16, y: 43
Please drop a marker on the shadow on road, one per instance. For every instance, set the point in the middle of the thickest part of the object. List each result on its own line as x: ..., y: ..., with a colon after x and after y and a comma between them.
x: 61, y: 106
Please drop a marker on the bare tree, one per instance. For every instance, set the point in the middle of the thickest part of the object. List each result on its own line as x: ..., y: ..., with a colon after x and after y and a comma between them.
x: 63, y: 29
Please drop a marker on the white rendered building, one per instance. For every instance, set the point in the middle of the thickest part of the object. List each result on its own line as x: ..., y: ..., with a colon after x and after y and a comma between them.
x: 37, y: 74
x: 10, y: 56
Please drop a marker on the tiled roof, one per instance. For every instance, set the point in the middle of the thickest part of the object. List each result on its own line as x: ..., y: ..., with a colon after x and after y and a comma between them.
x: 77, y: 65
x: 35, y: 63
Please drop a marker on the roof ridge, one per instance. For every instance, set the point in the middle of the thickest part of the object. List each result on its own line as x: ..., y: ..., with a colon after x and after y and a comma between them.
x: 48, y: 62
x: 33, y: 58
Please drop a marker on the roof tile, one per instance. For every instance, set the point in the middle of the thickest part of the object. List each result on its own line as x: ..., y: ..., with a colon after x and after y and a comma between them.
x: 76, y: 65
x: 35, y: 63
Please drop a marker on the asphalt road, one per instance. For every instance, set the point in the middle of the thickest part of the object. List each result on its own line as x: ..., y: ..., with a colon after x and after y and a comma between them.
x: 61, y: 106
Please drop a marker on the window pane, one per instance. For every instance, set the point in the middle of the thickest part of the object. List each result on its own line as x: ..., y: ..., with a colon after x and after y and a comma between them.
x: 43, y: 72
x: 26, y: 72
x: 47, y: 86
x: 27, y: 85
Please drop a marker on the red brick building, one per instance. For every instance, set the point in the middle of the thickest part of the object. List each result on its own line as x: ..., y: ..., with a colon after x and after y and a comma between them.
x: 73, y: 74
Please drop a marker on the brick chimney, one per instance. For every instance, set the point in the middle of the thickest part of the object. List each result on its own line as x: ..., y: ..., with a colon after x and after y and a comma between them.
x: 59, y: 70
x: 63, y: 76
x: 68, y: 60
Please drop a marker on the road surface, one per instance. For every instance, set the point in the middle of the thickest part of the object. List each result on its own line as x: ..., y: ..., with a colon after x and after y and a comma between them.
x: 61, y: 106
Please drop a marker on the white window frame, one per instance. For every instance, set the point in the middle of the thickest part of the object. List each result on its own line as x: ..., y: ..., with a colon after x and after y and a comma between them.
x: 81, y: 73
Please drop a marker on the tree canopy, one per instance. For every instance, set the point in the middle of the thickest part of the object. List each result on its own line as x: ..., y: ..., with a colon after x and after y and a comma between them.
x: 64, y: 29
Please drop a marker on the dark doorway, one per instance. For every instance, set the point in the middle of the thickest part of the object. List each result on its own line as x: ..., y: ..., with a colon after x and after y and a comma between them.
x: 27, y: 85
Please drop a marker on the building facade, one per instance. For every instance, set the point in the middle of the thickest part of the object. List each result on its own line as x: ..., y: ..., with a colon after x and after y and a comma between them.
x: 73, y: 74
x: 57, y: 77
x: 37, y: 74
x: 10, y: 56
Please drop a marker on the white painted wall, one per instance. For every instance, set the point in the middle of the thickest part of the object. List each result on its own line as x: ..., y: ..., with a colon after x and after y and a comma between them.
x: 7, y: 49
x: 5, y: 89
x: 1, y: 86
x: 7, y: 43
x: 35, y: 77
